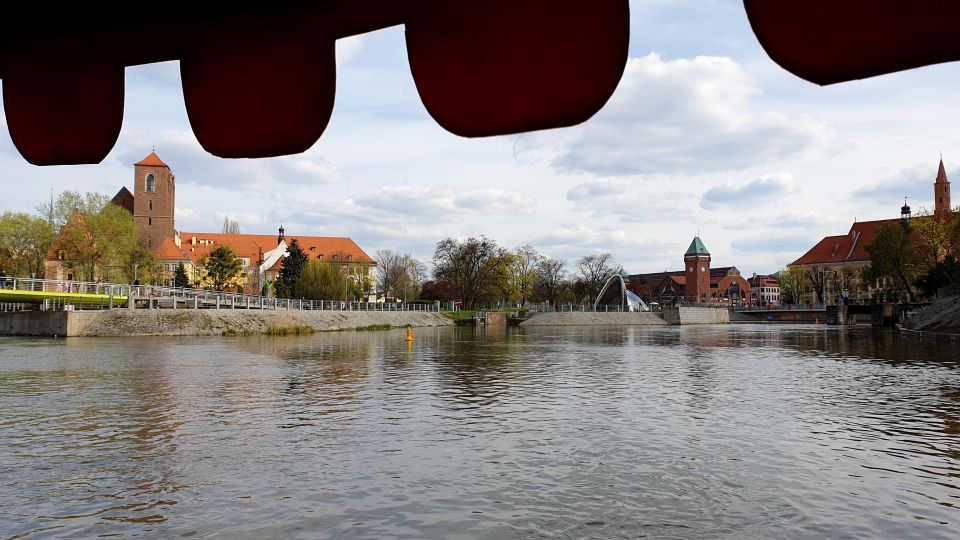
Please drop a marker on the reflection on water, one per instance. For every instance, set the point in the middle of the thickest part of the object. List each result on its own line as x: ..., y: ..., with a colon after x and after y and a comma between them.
x: 757, y: 431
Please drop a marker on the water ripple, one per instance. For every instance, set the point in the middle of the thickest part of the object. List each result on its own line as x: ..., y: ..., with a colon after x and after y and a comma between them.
x: 739, y: 431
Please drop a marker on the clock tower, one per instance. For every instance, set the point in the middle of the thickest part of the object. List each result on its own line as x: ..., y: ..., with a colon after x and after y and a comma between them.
x: 696, y: 269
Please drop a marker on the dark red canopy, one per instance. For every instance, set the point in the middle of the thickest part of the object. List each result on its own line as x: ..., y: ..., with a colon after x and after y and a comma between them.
x: 260, y: 81
x: 831, y: 41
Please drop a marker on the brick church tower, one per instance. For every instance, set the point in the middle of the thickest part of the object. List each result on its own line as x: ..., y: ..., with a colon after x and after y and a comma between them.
x: 696, y: 267
x: 154, y: 190
x: 941, y: 191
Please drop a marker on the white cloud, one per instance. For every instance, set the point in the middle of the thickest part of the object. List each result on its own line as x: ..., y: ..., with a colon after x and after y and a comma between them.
x: 763, y: 189
x: 682, y: 115
x: 183, y: 152
x: 442, y: 203
x: 632, y: 200
x: 915, y: 182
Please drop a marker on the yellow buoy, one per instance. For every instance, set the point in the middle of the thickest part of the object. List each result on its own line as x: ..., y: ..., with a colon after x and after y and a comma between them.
x: 409, y: 334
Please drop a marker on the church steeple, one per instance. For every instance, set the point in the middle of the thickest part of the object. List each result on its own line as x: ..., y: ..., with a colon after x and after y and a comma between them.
x: 941, y: 191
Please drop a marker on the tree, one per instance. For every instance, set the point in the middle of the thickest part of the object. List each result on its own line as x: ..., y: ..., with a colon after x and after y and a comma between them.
x: 290, y: 269
x: 70, y: 203
x: 392, y: 273
x: 934, y: 235
x: 24, y: 243
x: 180, y: 278
x: 416, y: 275
x: 471, y: 266
x: 593, y: 271
x: 791, y: 281
x: 230, y: 226
x: 222, y: 267
x: 943, y: 274
x: 523, y: 270
x: 319, y: 281
x: 440, y: 290
x: 99, y: 245
x: 894, y: 263
x: 139, y: 265
x: 550, y: 282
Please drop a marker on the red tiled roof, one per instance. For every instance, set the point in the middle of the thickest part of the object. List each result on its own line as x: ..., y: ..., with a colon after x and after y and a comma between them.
x: 168, y: 251
x: 153, y: 160
x: 251, y: 246
x: 851, y: 247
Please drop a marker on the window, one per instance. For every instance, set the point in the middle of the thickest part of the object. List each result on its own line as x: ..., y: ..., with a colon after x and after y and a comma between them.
x: 151, y: 183
x: 150, y: 205
x: 336, y: 257
x: 149, y: 221
x: 349, y: 257
x: 320, y: 256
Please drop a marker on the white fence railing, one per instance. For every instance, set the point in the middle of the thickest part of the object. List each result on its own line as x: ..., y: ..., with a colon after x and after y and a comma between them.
x: 158, y: 296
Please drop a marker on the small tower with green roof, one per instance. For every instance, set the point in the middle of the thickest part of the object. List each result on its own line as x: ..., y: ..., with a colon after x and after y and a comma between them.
x: 696, y: 269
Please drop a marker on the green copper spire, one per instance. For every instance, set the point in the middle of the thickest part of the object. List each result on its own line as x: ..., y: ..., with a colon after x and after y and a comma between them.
x: 697, y: 247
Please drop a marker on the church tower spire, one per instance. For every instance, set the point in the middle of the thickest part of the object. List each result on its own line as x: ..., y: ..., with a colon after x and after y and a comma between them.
x: 941, y: 191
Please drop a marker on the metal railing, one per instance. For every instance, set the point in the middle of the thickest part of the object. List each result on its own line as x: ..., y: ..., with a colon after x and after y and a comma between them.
x: 165, y: 297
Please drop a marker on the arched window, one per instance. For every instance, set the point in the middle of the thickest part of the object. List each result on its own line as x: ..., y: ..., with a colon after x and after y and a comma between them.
x: 151, y: 183
x: 150, y: 204
x: 149, y: 221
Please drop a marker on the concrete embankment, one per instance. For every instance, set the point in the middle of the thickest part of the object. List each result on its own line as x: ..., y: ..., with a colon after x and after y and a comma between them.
x: 594, y: 319
x: 696, y: 315
x: 943, y: 317
x: 122, y: 322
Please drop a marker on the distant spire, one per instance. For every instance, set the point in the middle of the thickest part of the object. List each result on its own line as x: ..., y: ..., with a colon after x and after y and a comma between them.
x: 942, y: 173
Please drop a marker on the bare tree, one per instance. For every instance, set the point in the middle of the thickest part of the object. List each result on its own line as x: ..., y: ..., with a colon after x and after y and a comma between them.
x: 391, y: 273
x: 593, y: 271
x: 471, y: 266
x: 230, y: 226
x: 551, y: 277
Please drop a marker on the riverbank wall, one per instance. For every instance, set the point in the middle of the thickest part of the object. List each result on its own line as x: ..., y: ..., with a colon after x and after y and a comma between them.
x: 696, y: 315
x: 145, y: 322
x: 594, y: 319
x: 676, y: 316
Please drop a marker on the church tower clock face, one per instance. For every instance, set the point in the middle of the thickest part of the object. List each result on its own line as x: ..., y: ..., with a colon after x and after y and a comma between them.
x: 690, y: 269
x: 703, y: 268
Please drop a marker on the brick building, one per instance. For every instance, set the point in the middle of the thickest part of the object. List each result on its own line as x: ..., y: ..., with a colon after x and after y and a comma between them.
x: 153, y: 204
x: 697, y: 283
x: 833, y: 267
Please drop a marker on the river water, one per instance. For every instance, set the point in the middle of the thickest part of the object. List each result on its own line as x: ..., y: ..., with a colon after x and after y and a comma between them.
x: 623, y: 432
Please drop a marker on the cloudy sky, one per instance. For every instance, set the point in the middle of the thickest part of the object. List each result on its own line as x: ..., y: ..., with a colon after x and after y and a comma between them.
x: 704, y: 133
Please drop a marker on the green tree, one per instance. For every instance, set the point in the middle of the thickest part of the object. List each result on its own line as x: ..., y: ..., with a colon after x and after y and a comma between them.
x: 99, y: 245
x: 222, y: 266
x: 290, y: 269
x: 320, y: 281
x: 523, y: 271
x: 894, y: 263
x: 791, y: 281
x: 24, y: 243
x: 180, y: 278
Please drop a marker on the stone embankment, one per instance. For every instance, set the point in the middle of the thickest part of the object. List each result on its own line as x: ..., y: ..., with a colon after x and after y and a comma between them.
x: 943, y: 317
x: 205, y: 322
x: 594, y: 319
